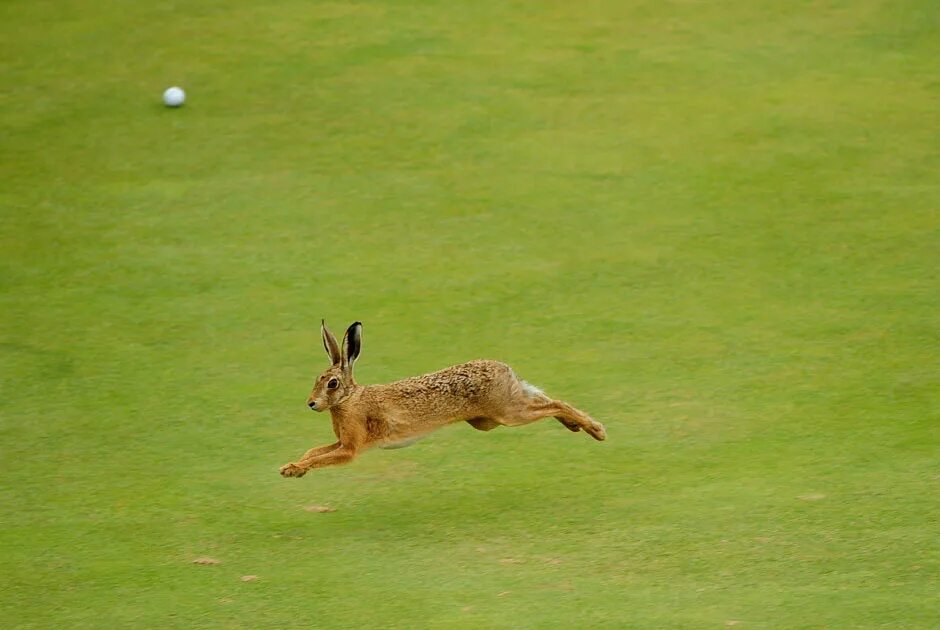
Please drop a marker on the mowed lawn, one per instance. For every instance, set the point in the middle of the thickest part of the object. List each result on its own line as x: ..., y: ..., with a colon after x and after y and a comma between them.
x: 712, y: 225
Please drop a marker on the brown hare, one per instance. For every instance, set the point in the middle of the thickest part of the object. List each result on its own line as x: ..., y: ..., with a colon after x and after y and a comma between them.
x: 485, y: 394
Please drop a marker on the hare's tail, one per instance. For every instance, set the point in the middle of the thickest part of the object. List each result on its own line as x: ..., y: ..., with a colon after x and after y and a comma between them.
x: 531, y: 390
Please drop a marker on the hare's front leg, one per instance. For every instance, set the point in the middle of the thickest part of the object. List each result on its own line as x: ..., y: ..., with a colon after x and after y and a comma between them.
x: 297, y: 469
x: 339, y: 455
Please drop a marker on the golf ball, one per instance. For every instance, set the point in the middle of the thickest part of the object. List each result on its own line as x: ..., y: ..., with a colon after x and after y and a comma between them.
x: 174, y: 97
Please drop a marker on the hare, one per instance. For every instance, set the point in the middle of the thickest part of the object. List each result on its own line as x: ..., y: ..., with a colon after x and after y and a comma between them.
x: 485, y: 394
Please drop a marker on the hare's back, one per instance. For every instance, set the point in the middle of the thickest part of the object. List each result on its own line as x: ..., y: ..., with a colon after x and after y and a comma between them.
x: 471, y: 381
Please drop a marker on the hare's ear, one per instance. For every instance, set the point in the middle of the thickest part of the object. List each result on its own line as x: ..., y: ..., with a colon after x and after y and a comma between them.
x: 329, y: 342
x: 352, y: 343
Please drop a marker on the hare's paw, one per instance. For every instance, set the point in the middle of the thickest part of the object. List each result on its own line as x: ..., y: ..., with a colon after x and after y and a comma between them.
x: 292, y: 470
x: 596, y: 430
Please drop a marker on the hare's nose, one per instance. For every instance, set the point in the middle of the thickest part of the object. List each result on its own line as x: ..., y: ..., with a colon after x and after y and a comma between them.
x: 312, y: 404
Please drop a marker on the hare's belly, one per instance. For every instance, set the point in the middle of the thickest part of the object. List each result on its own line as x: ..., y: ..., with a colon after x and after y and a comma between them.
x: 392, y: 444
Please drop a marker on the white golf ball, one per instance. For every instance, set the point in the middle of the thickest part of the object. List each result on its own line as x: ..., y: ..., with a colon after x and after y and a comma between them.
x: 174, y: 97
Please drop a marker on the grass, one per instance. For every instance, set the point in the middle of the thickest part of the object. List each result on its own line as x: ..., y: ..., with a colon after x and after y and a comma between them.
x: 711, y: 225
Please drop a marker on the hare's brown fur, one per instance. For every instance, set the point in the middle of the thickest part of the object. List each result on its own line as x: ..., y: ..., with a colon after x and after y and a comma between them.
x: 486, y: 394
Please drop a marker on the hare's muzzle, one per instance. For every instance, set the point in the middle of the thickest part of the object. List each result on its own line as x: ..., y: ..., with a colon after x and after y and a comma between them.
x: 312, y: 404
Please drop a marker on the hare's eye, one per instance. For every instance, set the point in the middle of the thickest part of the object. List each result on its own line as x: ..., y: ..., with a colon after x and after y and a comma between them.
x: 333, y: 384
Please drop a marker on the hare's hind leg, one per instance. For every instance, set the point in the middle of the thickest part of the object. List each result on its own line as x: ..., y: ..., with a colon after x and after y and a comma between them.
x: 483, y: 424
x: 536, y: 408
x: 568, y: 416
x: 530, y: 392
x: 574, y: 427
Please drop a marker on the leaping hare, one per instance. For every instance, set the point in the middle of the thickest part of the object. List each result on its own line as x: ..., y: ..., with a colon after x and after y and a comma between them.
x: 485, y: 394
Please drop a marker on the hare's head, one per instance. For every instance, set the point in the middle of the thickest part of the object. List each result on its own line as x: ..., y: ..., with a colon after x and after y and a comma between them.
x: 336, y: 383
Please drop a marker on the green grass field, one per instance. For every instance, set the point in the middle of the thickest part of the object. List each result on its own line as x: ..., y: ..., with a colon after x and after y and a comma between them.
x: 712, y: 225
